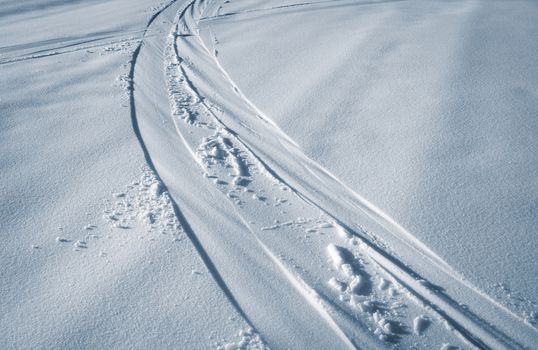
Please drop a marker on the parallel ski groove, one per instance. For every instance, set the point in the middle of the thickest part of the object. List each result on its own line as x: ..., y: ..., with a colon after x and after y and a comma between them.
x: 183, y: 221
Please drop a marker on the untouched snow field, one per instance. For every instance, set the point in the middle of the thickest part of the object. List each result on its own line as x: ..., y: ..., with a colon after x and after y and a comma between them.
x: 284, y: 174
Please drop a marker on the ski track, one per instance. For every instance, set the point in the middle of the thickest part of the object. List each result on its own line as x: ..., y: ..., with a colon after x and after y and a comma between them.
x: 182, y: 220
x: 107, y: 46
x: 244, y: 177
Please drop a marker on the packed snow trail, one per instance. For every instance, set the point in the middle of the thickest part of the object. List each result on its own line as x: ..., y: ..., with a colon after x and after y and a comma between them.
x: 185, y: 225
x: 222, y: 158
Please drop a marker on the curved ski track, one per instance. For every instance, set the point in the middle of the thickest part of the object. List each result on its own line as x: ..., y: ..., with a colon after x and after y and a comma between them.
x: 182, y: 220
x: 245, y: 157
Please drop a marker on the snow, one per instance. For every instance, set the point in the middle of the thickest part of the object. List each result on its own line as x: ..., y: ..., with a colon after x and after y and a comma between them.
x: 68, y: 150
x: 268, y: 174
x: 462, y: 73
x: 337, y: 256
x: 420, y: 323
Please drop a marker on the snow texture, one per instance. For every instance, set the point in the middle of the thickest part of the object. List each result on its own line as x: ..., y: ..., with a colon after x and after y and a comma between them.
x: 233, y: 174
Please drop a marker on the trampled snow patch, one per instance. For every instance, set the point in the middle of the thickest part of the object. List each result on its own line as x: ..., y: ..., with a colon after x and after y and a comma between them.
x: 144, y: 202
x: 247, y: 339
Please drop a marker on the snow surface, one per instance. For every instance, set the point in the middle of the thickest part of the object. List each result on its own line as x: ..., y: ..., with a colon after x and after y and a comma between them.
x: 268, y: 174
x: 461, y: 73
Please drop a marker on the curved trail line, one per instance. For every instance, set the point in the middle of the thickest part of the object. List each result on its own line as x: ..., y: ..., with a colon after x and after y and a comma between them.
x: 226, y: 124
x: 302, y: 287
x: 181, y: 218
